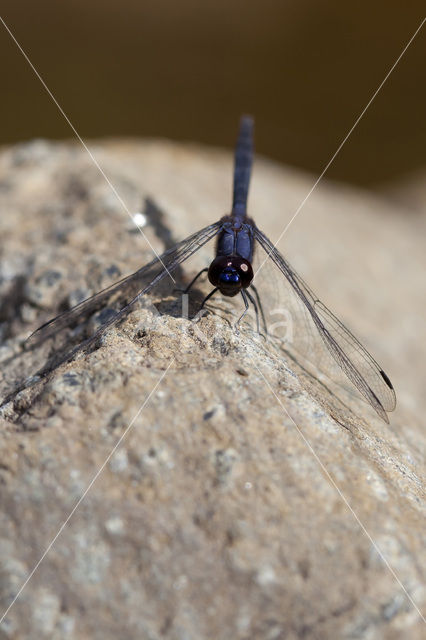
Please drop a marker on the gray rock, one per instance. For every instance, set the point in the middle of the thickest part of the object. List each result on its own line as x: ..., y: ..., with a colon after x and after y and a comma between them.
x: 198, y: 465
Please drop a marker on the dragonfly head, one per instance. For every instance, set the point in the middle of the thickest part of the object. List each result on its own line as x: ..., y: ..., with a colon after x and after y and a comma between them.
x: 230, y: 274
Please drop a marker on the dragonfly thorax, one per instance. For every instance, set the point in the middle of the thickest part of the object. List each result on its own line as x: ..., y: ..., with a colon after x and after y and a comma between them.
x: 230, y: 274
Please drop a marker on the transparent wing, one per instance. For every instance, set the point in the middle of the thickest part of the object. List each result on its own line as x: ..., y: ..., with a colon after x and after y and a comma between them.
x: 137, y: 284
x: 349, y: 354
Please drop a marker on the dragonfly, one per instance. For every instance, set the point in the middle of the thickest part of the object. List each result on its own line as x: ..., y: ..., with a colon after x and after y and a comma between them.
x: 231, y: 273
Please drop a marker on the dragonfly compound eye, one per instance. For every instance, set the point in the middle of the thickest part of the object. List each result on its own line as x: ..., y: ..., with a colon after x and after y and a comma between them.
x: 230, y: 274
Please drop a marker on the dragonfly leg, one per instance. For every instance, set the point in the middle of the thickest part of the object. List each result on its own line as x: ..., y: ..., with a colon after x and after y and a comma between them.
x: 193, y: 281
x: 246, y: 299
x: 212, y: 292
x: 253, y: 301
x: 256, y: 293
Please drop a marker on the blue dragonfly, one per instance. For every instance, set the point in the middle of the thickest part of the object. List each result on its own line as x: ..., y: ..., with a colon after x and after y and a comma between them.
x: 231, y: 273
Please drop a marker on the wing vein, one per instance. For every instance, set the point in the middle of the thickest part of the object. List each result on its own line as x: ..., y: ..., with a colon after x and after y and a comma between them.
x: 370, y: 381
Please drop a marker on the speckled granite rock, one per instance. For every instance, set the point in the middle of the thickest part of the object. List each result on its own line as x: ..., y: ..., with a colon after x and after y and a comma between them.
x: 213, y: 518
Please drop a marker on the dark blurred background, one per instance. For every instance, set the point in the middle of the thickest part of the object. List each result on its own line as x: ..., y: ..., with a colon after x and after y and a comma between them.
x: 187, y: 69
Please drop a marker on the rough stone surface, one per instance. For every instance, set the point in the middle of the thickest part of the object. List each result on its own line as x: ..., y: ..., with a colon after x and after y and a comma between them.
x: 212, y: 518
